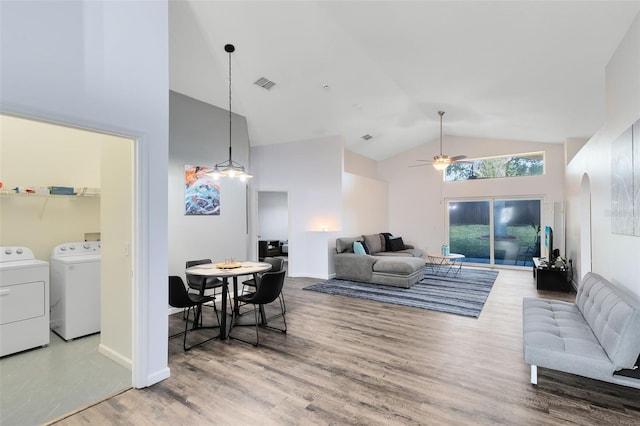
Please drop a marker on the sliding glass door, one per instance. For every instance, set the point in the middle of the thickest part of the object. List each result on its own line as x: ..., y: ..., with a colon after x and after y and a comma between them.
x: 495, y: 231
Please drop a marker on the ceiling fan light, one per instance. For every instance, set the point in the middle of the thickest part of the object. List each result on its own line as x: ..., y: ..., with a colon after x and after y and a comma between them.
x: 441, y: 163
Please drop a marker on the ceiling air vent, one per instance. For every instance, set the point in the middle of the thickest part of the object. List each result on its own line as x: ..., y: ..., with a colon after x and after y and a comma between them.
x: 265, y: 82
x: 367, y: 137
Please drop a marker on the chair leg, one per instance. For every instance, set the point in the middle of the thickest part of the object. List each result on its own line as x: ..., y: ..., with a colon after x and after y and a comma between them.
x: 284, y: 306
x: 255, y: 314
x: 186, y: 329
x: 258, y: 324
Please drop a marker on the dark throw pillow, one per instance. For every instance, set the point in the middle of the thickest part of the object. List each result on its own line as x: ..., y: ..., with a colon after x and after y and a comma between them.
x: 385, y: 237
x: 396, y: 244
x: 366, y: 247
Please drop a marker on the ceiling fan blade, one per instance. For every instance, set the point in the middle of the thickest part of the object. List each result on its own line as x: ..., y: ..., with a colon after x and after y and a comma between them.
x: 419, y: 165
x: 458, y: 157
x: 429, y: 161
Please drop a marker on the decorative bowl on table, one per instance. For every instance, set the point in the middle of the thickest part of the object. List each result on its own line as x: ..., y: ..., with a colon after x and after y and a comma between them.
x: 228, y: 265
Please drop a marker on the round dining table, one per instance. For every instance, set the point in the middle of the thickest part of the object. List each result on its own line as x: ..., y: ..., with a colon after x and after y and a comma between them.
x: 226, y: 270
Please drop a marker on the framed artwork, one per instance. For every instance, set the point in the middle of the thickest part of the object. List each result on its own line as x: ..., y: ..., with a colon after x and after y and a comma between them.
x: 625, y: 182
x: 201, y: 192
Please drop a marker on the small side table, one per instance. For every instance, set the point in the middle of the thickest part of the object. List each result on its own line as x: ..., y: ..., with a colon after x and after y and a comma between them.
x: 445, y: 265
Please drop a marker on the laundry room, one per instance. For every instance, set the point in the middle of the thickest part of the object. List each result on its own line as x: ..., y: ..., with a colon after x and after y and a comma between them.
x: 57, y: 183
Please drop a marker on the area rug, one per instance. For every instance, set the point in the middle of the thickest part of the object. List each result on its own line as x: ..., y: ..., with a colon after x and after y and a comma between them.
x: 464, y: 294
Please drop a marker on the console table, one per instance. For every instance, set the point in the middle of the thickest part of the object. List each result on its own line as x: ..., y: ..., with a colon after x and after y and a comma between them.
x: 556, y: 276
x: 445, y: 264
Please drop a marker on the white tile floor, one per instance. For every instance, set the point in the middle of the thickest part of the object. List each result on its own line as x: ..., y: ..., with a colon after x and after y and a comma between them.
x: 43, y: 384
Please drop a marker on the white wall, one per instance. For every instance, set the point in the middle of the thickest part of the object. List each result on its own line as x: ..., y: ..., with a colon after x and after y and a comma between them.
x: 615, y: 257
x: 35, y: 154
x: 417, y: 195
x: 104, y: 65
x: 360, y: 165
x: 365, y: 204
x: 311, y: 172
x: 199, y: 136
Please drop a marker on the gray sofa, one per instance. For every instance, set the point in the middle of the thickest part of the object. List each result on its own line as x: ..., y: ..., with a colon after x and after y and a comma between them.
x: 400, y: 268
x: 598, y: 336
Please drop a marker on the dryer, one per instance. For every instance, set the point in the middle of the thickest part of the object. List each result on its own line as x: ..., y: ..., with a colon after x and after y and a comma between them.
x: 75, y: 289
x: 24, y: 300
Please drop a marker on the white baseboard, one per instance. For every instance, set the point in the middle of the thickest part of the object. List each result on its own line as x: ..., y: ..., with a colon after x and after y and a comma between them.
x: 115, y: 356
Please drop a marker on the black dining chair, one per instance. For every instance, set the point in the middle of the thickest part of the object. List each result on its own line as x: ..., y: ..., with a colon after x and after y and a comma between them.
x: 196, y: 282
x: 268, y: 290
x: 179, y: 297
x: 277, y: 265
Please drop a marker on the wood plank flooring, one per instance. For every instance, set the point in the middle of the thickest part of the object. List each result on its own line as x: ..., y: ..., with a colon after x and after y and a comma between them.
x: 350, y: 361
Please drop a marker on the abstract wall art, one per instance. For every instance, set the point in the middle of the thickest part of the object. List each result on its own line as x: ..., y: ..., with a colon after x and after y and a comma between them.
x: 201, y: 192
x: 625, y: 182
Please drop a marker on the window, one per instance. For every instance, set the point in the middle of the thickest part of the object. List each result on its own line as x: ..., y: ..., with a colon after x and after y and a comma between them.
x: 495, y: 231
x: 531, y: 164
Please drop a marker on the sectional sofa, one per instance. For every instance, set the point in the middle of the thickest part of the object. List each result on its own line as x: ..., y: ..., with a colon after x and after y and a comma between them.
x: 385, y: 261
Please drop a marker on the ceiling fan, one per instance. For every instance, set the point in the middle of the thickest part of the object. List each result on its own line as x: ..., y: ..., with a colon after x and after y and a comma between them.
x: 441, y: 162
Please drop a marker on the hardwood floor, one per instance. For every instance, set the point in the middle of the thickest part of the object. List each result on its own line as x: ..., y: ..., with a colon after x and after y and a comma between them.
x: 351, y: 361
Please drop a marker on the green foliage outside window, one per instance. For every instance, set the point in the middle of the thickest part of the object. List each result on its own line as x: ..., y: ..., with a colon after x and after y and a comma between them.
x: 496, y: 167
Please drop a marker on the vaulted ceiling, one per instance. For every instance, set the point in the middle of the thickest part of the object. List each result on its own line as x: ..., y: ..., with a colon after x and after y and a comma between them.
x: 517, y: 70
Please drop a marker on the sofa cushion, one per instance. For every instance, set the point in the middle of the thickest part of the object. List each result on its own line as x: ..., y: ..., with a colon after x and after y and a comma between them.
x: 614, y: 317
x: 358, y: 248
x: 413, y: 252
x: 395, y: 244
x: 556, y: 336
x: 398, y: 265
x: 375, y: 242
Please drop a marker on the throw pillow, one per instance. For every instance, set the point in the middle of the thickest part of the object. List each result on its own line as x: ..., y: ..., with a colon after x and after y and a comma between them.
x: 357, y: 248
x: 366, y: 247
x: 396, y: 244
x: 385, y: 241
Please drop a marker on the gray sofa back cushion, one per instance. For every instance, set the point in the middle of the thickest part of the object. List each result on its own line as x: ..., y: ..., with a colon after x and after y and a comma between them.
x: 375, y: 242
x: 345, y: 245
x: 614, y: 317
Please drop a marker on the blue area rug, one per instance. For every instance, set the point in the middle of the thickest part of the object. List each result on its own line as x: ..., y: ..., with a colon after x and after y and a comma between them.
x: 464, y: 294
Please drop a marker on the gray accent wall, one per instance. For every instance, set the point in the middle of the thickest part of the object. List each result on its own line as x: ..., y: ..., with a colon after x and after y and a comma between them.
x: 199, y: 135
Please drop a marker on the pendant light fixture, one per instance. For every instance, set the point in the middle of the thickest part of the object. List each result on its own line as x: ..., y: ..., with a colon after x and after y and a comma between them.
x: 230, y: 168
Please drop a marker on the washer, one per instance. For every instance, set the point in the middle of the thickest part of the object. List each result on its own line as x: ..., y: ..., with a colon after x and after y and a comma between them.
x: 75, y: 289
x: 24, y: 300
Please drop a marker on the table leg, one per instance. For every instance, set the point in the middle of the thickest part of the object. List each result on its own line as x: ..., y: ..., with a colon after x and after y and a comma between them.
x: 223, y: 319
x: 236, y: 309
x: 459, y: 264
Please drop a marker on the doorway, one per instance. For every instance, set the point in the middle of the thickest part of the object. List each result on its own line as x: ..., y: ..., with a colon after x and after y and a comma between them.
x: 273, y: 224
x: 40, y: 154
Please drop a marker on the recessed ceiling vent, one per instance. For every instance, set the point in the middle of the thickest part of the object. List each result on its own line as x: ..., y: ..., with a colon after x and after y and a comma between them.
x: 265, y: 82
x: 367, y: 137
